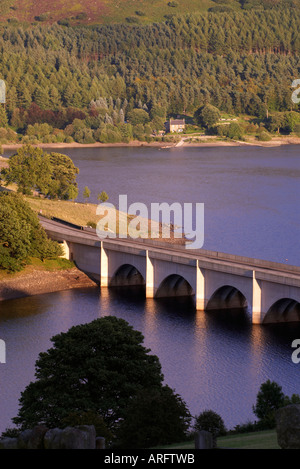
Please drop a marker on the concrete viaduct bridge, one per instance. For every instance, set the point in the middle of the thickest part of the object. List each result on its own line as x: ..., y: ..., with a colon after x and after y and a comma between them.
x: 270, y: 291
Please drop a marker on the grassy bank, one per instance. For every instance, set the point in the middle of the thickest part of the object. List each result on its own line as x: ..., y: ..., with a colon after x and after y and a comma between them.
x: 257, y: 440
x: 36, y: 265
x: 84, y: 214
x: 266, y: 439
x: 73, y: 212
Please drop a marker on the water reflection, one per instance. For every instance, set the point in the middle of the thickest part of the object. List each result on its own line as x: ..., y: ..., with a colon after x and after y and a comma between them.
x: 25, y: 307
x: 214, y: 360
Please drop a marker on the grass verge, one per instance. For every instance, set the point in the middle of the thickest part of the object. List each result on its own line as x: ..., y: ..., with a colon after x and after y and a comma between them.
x: 266, y: 439
x: 35, y: 265
x: 73, y: 212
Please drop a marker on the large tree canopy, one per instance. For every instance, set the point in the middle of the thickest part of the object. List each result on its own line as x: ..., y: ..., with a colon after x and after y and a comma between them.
x: 94, y: 367
x: 21, y: 235
x: 103, y: 369
x: 269, y: 398
x: 32, y: 169
x: 207, y: 115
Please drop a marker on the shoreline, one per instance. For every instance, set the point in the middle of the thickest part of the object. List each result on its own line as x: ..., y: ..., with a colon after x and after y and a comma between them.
x: 37, y: 282
x: 276, y: 141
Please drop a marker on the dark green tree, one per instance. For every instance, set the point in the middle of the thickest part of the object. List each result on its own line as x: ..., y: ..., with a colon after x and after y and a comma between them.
x: 138, y: 116
x: 29, y: 168
x: 211, y: 422
x: 276, y: 122
x: 32, y: 169
x: 21, y: 235
x: 97, y: 367
x: 269, y: 398
x: 63, y: 172
x: 207, y: 115
x: 154, y: 417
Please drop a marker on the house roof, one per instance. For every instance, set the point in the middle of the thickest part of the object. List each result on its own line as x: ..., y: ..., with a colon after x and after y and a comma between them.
x: 177, y: 121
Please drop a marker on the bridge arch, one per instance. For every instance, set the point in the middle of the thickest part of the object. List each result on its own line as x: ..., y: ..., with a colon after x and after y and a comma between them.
x: 174, y: 285
x: 127, y: 275
x: 227, y: 297
x: 283, y: 310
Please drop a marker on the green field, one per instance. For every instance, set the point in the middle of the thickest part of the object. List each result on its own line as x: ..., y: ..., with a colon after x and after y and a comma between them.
x: 266, y: 439
x: 73, y: 212
x: 257, y: 440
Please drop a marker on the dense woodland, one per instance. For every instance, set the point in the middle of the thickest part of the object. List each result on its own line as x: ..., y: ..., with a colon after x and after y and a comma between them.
x: 86, y: 83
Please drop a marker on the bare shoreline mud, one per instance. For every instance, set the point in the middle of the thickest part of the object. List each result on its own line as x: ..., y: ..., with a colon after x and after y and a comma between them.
x: 187, y: 141
x: 37, y: 282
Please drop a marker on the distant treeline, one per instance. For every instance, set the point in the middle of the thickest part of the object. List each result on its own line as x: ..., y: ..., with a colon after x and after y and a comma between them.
x: 242, y: 62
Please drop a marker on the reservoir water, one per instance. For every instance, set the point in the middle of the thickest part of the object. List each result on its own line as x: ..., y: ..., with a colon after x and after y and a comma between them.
x: 213, y: 360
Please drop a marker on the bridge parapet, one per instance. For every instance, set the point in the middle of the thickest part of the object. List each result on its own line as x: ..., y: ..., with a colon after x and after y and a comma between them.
x: 261, y: 283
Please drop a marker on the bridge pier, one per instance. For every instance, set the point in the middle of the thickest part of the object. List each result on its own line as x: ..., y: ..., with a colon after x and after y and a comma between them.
x: 66, y: 250
x: 150, y: 293
x: 256, y: 300
x: 201, y: 301
x: 104, y: 279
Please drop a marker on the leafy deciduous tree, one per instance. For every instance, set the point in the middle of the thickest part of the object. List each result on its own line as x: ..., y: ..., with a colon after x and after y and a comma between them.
x: 154, y: 417
x: 207, y: 115
x: 21, y: 235
x: 269, y: 398
x: 96, y: 367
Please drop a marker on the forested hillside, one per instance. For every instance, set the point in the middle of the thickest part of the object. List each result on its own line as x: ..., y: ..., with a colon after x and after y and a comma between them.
x: 242, y: 62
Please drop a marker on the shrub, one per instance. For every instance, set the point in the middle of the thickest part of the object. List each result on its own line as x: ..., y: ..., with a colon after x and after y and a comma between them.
x: 82, y: 16
x: 84, y: 136
x: 211, y: 422
x: 297, y: 130
x: 132, y: 19
x: 69, y: 139
x: 234, y: 131
x: 264, y: 136
x: 247, y: 427
x: 91, y: 224
x: 64, y: 22
x: 42, y: 17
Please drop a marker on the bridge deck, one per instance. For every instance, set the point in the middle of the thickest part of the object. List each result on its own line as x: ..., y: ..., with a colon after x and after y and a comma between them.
x: 273, y: 271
